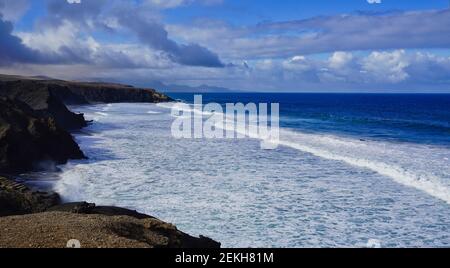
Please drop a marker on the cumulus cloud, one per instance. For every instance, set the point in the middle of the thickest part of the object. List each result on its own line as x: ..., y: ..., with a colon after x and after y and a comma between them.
x: 135, y: 19
x: 324, y: 34
x: 66, y: 42
x: 429, y: 69
x: 377, y: 66
x: 395, y: 69
x: 166, y: 4
x: 386, y: 66
x: 117, y: 39
x: 154, y: 35
x: 11, y: 47
x: 421, y: 29
x: 13, y: 10
x: 340, y: 60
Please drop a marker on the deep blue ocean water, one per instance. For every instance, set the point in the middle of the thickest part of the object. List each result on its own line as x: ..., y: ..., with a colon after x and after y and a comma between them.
x: 351, y: 170
x: 420, y: 118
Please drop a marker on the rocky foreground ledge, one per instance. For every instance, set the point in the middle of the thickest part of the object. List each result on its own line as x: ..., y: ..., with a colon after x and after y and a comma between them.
x: 33, y: 219
x: 34, y: 125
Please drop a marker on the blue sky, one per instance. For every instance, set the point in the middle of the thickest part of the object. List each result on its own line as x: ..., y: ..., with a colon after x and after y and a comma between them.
x: 261, y: 45
x: 252, y: 12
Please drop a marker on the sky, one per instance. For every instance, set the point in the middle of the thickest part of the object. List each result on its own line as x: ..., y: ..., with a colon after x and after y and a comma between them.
x: 251, y: 45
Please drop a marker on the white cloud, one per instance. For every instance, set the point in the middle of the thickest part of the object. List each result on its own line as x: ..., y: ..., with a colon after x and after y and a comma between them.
x: 66, y: 41
x: 323, y: 34
x: 13, y: 10
x: 167, y: 4
x: 52, y: 39
x: 298, y: 63
x: 266, y: 56
x: 386, y: 66
x: 340, y: 60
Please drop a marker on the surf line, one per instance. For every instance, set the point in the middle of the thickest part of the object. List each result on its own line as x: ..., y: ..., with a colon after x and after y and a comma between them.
x: 239, y: 121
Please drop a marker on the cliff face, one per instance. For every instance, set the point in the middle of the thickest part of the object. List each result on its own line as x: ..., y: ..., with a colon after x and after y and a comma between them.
x: 28, y: 140
x: 85, y: 93
x: 33, y: 131
x: 43, y: 101
x: 49, y: 97
x: 32, y: 125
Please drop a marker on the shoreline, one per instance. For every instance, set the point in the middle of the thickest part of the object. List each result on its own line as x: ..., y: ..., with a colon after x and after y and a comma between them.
x: 24, y: 210
x: 26, y: 125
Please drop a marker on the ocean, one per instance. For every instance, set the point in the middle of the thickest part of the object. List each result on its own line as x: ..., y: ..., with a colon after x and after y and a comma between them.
x: 352, y: 170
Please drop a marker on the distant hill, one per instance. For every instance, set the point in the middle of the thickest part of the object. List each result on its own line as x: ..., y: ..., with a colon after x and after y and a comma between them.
x: 199, y: 89
x: 173, y: 88
x: 162, y: 87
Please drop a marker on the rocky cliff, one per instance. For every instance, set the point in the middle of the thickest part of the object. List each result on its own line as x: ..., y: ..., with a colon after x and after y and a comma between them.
x: 34, y: 121
x: 43, y: 101
x: 29, y: 141
x: 49, y: 97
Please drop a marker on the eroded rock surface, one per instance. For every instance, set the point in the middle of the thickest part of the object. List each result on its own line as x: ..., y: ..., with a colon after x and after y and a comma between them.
x: 29, y: 141
x: 18, y: 199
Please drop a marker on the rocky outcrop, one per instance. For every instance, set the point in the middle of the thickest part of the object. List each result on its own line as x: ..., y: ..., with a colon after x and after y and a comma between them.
x: 18, y: 199
x: 39, y: 98
x: 23, y: 211
x: 55, y: 229
x: 86, y: 93
x: 177, y: 238
x: 88, y: 208
x: 33, y: 124
x: 50, y: 97
x: 29, y: 141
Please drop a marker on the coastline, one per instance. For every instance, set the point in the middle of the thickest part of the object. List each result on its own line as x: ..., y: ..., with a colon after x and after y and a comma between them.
x: 24, y: 210
x: 230, y: 195
x: 136, y: 163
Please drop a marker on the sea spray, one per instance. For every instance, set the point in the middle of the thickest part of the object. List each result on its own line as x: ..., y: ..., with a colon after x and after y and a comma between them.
x: 238, y: 122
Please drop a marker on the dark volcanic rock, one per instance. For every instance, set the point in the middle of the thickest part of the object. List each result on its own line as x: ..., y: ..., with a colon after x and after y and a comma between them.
x: 43, y: 101
x: 85, y: 93
x: 33, y: 124
x: 49, y: 97
x: 18, y: 199
x: 28, y: 140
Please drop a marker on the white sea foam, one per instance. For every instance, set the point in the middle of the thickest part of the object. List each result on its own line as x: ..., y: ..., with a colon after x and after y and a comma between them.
x: 167, y: 105
x: 399, y: 162
x: 379, y: 158
x: 314, y: 191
